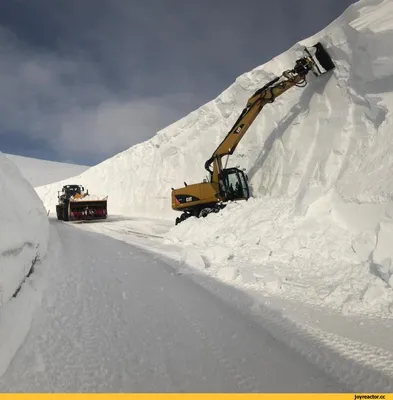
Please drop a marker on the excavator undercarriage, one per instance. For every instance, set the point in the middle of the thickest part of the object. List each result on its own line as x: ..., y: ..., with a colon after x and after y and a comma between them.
x: 231, y: 184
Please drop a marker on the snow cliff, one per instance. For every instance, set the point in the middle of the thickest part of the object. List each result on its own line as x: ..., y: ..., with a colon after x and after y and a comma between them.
x: 319, y: 159
x: 24, y: 229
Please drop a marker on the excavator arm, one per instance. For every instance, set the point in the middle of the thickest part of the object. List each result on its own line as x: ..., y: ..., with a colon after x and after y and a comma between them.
x: 230, y: 184
x: 266, y: 94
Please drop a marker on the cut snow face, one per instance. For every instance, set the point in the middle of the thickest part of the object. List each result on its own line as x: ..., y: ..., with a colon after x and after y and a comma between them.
x: 43, y: 172
x: 318, y: 160
x: 24, y: 228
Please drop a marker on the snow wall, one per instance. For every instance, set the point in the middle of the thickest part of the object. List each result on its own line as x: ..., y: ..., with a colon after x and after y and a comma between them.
x: 336, y: 132
x: 24, y: 229
x: 319, y: 161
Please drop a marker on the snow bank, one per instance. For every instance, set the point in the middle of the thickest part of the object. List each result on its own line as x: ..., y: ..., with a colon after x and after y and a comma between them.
x: 314, y: 258
x: 24, y: 240
x: 318, y: 159
x: 24, y: 229
x: 43, y: 172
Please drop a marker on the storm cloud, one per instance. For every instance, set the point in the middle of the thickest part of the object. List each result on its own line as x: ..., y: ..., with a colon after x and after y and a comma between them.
x: 83, y: 80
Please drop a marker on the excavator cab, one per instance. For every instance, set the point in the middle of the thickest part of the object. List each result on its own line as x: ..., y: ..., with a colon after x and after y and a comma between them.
x: 233, y: 185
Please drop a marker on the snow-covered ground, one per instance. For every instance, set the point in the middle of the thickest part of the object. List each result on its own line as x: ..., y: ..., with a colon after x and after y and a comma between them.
x: 318, y: 226
x: 24, y: 238
x: 357, y: 349
x: 310, y: 250
x: 119, y: 319
x: 41, y: 172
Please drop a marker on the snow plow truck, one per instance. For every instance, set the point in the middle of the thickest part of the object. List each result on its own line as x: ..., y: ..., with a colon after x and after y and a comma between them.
x: 74, y: 204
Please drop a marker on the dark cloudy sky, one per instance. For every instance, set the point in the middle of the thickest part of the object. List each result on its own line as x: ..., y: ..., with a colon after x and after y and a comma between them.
x: 81, y: 80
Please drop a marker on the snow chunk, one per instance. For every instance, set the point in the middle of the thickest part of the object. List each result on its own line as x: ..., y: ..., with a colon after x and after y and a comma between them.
x: 227, y: 274
x: 383, y: 253
x: 90, y: 197
x: 270, y: 282
x: 363, y: 245
x: 373, y: 294
x: 218, y: 254
x: 191, y: 257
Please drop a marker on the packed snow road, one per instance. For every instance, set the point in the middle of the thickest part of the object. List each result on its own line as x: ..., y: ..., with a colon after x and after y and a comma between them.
x: 116, y: 318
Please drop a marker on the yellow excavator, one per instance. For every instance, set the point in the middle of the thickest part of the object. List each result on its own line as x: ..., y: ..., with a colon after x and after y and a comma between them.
x: 231, y: 184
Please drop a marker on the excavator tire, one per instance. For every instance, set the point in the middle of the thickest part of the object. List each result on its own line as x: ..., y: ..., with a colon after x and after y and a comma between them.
x: 182, y: 218
x: 204, y: 212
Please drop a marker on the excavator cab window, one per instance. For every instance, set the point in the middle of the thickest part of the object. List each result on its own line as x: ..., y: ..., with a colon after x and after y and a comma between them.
x: 235, y: 185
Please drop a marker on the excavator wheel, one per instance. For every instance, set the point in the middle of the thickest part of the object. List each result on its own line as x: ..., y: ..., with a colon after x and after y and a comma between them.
x: 204, y: 212
x: 182, y: 218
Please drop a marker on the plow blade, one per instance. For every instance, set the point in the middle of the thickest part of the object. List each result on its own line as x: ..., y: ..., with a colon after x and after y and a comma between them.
x: 88, y: 210
x: 322, y: 61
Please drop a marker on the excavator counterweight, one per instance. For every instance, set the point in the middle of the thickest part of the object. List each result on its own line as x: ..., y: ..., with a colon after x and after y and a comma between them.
x: 231, y: 184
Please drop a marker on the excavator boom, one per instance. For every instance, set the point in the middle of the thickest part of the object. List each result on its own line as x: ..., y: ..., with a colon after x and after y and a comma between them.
x: 319, y: 63
x: 254, y: 106
x: 228, y: 184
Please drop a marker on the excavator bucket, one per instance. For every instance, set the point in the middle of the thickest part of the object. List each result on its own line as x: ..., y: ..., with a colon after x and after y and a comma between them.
x: 322, y: 62
x: 83, y: 210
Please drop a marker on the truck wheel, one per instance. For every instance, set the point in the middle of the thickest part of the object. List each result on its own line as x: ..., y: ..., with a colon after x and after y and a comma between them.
x: 65, y: 212
x: 59, y: 213
x: 65, y: 215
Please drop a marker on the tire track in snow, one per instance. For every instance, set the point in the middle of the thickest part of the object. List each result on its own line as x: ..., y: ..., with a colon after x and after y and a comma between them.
x: 256, y: 370
x: 359, y: 366
x: 356, y: 357
x: 364, y: 365
x: 243, y: 382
